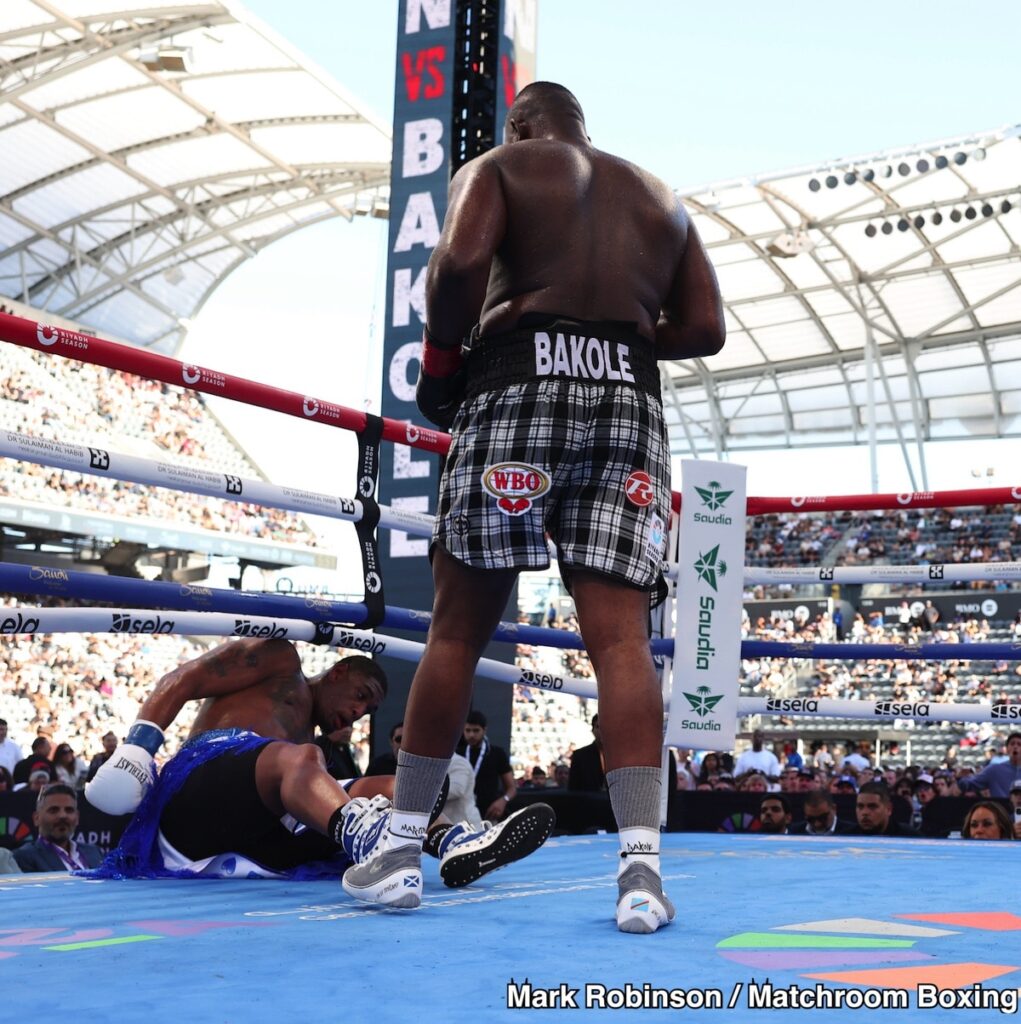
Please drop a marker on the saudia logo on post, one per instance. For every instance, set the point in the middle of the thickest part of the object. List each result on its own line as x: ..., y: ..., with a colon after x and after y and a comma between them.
x: 703, y: 702
x: 714, y: 498
x: 710, y: 567
x: 515, y: 485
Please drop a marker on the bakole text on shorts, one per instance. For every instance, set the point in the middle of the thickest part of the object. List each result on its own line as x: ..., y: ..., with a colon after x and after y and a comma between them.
x: 756, y: 996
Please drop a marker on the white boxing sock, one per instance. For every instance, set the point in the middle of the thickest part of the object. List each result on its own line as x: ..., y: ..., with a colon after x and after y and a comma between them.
x: 408, y: 827
x: 639, y: 846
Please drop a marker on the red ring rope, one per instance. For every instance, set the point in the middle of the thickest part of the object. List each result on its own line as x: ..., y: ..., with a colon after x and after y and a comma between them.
x: 127, y: 358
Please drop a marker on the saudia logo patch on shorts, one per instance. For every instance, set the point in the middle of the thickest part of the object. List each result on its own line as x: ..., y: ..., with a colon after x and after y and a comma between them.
x: 515, y: 485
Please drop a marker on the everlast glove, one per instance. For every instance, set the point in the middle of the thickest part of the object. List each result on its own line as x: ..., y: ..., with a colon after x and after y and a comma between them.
x: 442, y: 381
x: 122, y: 781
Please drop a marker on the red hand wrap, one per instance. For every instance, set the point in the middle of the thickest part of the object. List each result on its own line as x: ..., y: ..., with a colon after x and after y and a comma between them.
x: 439, y: 360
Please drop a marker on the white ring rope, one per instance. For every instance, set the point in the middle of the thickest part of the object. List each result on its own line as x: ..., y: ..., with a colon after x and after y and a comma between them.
x: 194, y: 480
x: 132, y: 621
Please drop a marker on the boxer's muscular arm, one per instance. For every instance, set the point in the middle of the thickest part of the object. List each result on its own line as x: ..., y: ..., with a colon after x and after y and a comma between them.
x: 458, y: 273
x: 229, y: 668
x: 691, y: 322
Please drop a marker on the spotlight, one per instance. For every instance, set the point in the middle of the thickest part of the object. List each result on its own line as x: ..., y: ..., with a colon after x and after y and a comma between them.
x: 870, y: 231
x: 813, y: 185
x: 903, y: 170
x: 869, y: 175
x: 850, y: 178
x: 955, y: 215
x: 887, y: 228
x: 919, y: 222
x: 790, y: 244
x: 970, y: 213
x: 960, y: 159
x: 1005, y: 206
x: 987, y: 210
x: 902, y: 224
x: 831, y: 181
x: 886, y: 171
x: 922, y: 166
x: 941, y: 162
x: 978, y: 154
x: 937, y: 218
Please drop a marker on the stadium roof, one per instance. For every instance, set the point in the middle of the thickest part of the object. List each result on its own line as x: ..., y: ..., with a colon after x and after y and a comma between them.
x: 910, y: 256
x: 150, y: 150
x: 158, y: 147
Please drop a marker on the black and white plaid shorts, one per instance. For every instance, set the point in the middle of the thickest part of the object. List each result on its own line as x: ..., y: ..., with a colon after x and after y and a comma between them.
x: 589, y: 463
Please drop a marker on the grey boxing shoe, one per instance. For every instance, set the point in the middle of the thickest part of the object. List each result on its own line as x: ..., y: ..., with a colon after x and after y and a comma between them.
x: 642, y: 906
x: 386, y: 869
x: 467, y: 855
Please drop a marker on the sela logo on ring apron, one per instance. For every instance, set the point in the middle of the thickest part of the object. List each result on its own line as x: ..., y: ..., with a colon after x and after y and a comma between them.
x: 710, y: 584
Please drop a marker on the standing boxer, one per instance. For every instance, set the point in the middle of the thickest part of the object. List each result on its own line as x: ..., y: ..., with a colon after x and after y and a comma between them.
x: 573, y: 271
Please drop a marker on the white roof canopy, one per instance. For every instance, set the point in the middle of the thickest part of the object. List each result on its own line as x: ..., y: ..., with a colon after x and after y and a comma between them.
x: 148, y: 151
x: 905, y: 260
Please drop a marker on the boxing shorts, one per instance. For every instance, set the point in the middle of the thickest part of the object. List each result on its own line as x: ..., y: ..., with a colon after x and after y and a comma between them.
x: 204, y: 818
x: 561, y: 432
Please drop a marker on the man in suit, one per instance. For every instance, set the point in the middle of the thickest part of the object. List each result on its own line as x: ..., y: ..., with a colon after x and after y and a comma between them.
x: 588, y: 774
x: 56, y: 818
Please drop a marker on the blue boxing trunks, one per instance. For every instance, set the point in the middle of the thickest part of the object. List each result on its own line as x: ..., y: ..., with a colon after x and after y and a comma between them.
x: 203, y: 818
x: 562, y: 432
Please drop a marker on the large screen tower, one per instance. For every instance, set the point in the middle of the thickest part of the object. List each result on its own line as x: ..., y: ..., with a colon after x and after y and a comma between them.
x: 459, y: 65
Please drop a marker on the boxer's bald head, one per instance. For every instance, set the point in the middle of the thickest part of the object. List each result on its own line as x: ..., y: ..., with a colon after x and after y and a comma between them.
x: 541, y: 108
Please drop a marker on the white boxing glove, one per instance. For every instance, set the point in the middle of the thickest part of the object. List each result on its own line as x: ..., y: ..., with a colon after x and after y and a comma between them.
x: 129, y: 772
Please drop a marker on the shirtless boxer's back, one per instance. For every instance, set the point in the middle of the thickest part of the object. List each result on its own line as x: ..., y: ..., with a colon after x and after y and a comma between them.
x: 573, y: 271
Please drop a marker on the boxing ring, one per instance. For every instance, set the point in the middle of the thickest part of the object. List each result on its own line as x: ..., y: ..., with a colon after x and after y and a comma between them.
x: 775, y: 923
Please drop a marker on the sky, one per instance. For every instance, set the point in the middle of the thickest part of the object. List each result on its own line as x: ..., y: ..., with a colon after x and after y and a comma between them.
x: 696, y: 93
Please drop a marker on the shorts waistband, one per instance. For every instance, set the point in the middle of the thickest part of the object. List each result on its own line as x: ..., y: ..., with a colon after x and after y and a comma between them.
x: 610, y: 353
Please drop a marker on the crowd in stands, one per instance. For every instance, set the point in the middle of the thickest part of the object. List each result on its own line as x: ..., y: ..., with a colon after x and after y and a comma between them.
x: 950, y: 536
x: 935, y: 536
x: 788, y: 539
x: 62, y: 400
x: 935, y: 801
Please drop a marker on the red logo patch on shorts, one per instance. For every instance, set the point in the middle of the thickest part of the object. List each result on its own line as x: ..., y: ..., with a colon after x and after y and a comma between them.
x: 639, y: 490
x: 515, y: 485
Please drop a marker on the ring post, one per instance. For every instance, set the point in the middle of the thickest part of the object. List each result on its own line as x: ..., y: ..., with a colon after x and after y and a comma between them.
x: 707, y: 638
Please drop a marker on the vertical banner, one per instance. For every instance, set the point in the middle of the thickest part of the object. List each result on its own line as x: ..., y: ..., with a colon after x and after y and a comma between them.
x: 420, y: 171
x: 516, y: 55
x: 710, y: 583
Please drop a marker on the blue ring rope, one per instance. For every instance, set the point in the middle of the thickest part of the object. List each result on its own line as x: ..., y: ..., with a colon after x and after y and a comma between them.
x: 67, y: 583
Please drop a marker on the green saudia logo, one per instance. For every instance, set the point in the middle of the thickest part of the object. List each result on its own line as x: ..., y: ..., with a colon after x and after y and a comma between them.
x: 702, y: 702
x: 713, y: 498
x: 710, y: 566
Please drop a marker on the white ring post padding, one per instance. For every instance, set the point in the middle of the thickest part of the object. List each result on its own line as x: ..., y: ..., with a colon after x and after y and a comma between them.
x: 26, y: 621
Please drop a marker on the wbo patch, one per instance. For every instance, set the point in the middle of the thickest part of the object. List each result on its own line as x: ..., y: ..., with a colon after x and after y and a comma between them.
x: 515, y: 485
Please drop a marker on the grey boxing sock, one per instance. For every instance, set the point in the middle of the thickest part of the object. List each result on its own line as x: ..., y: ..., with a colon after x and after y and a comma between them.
x: 634, y: 796
x: 418, y: 782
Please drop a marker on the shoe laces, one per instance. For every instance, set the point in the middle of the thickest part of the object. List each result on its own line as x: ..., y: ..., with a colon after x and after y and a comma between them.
x: 363, y: 824
x: 461, y: 835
